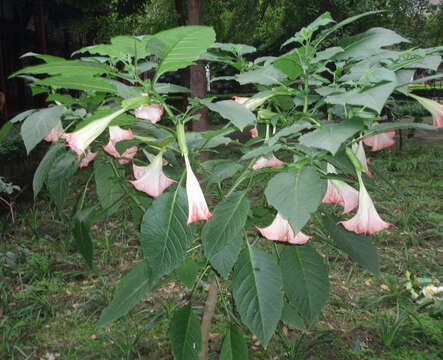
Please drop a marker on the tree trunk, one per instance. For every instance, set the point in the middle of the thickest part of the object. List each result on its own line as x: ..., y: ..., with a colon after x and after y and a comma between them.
x: 208, y: 314
x: 197, y: 72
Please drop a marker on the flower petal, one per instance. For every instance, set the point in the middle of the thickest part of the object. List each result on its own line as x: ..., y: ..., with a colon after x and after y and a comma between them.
x: 380, y: 141
x: 129, y: 153
x: 198, y: 209
x: 281, y: 230
x: 253, y: 132
x: 55, y: 133
x: 151, y: 112
x: 359, y: 151
x: 262, y: 162
x: 88, y: 158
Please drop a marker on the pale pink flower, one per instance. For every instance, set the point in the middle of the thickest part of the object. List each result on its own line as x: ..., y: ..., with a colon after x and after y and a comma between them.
x: 359, y: 152
x: 253, y: 132
x: 251, y: 103
x: 340, y: 193
x: 262, y: 162
x: 150, y: 179
x: 433, y: 107
x: 380, y: 141
x: 55, y: 133
x: 198, y: 209
x: 366, y: 220
x: 129, y: 153
x: 116, y: 134
x: 79, y: 140
x: 281, y: 230
x: 151, y: 112
x: 88, y: 158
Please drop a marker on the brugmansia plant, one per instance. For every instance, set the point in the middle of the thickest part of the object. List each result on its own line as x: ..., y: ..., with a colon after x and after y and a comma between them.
x: 314, y: 111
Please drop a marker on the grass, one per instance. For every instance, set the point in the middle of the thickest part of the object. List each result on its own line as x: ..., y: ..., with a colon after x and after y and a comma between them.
x: 50, y: 302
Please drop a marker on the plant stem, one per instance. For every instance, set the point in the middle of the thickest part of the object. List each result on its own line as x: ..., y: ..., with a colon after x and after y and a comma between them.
x: 208, y: 314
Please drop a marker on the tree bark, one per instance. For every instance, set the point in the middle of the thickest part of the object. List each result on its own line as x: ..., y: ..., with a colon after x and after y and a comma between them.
x: 197, y: 72
x: 208, y: 314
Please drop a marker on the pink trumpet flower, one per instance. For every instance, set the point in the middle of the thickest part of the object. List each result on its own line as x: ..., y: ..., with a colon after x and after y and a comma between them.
x: 262, y: 162
x: 340, y: 193
x: 151, y: 112
x: 366, y: 220
x: 253, y: 132
x: 380, y: 141
x: 281, y: 230
x: 55, y: 133
x: 88, y: 158
x: 150, y: 179
x: 251, y: 103
x: 79, y: 140
x: 359, y: 151
x: 198, y: 209
x: 129, y: 153
x: 433, y: 107
x: 116, y: 134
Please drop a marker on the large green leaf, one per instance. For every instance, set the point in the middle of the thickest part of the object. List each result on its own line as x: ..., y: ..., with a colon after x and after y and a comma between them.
x: 365, y: 44
x: 187, y: 272
x: 234, y: 345
x: 291, y: 317
x: 256, y: 286
x: 305, y: 279
x: 232, y: 111
x: 229, y: 217
x: 165, y: 237
x: 81, y: 227
x: 224, y: 260
x: 373, y: 98
x: 292, y: 130
x: 60, y: 177
x: 41, y: 174
x: 268, y: 75
x: 38, y: 125
x: 221, y: 169
x: 331, y: 136
x: 130, y: 290
x: 185, y: 334
x: 179, y: 47
x: 109, y: 191
x: 398, y: 125
x: 290, y: 64
x: 79, y: 82
x: 296, y: 194
x: 358, y: 247
x: 66, y: 67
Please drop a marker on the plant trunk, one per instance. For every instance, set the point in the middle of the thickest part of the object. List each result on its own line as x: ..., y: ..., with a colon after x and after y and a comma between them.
x: 197, y: 73
x: 208, y: 314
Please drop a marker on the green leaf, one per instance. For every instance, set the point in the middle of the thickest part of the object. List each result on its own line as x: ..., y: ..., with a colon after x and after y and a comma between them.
x: 331, y: 136
x: 65, y: 67
x: 38, y: 125
x: 180, y: 47
x: 234, y: 345
x: 60, y: 176
x: 256, y: 286
x: 130, y: 290
x: 237, y: 49
x: 366, y: 44
x: 291, y: 317
x: 4, y: 130
x: 290, y: 65
x: 232, y: 111
x: 305, y: 279
x: 187, y: 272
x: 81, y: 227
x: 293, y: 130
x: 358, y: 247
x: 22, y: 116
x: 229, y: 217
x: 109, y: 191
x: 220, y: 170
x: 373, y: 98
x: 41, y: 174
x: 265, y: 150
x: 268, y: 75
x: 165, y: 237
x: 167, y: 88
x: 296, y: 194
x: 224, y: 260
x: 79, y: 82
x: 185, y: 334
x: 398, y: 125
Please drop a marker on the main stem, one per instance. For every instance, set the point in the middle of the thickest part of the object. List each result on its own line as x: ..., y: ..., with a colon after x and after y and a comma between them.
x: 208, y: 314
